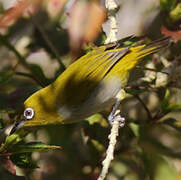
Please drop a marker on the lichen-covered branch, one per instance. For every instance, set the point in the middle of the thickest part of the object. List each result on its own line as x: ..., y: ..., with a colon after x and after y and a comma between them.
x: 111, y: 6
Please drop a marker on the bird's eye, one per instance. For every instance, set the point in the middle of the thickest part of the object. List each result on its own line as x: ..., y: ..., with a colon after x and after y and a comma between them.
x: 28, y: 113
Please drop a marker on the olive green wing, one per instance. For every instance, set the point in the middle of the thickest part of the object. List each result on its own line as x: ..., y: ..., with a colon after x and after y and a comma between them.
x: 86, y: 73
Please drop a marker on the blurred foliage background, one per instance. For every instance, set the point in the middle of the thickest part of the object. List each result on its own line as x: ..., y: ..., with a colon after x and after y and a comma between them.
x: 40, y: 38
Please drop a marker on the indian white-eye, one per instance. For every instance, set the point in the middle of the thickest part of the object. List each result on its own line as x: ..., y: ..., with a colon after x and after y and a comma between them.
x: 87, y: 86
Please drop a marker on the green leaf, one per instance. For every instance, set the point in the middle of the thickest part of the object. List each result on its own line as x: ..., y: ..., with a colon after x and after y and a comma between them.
x: 97, y: 118
x: 174, y: 107
x: 133, y: 92
x: 33, y: 147
x: 12, y: 140
x: 135, y: 128
x: 167, y: 5
x: 12, y: 145
x: 166, y: 105
x: 128, y: 43
x: 175, y: 14
x: 97, y: 145
x: 165, y: 102
x: 23, y: 160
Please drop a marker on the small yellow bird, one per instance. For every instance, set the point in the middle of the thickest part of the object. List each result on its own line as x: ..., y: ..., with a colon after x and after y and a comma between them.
x: 87, y: 86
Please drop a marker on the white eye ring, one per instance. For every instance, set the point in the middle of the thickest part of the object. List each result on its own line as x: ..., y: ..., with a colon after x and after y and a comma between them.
x: 28, y: 113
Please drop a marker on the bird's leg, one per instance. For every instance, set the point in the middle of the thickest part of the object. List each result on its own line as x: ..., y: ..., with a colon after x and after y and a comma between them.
x: 115, y: 113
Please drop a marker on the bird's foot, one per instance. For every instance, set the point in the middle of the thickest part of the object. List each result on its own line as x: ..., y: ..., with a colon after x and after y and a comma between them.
x: 116, y: 117
x: 115, y: 113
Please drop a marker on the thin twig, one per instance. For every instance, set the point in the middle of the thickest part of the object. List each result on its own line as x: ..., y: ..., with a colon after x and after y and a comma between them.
x: 20, y: 58
x: 110, y: 150
x: 112, y: 37
x: 145, y: 107
x: 48, y: 42
x: 111, y: 6
x: 29, y: 76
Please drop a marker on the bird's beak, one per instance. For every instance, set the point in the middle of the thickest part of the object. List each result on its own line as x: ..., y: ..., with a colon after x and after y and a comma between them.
x: 17, y: 126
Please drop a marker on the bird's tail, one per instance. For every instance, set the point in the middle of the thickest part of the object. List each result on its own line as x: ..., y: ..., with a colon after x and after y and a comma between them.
x: 136, y: 53
x: 154, y: 46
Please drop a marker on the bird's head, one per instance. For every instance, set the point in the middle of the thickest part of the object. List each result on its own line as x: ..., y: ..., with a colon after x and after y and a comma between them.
x: 39, y: 110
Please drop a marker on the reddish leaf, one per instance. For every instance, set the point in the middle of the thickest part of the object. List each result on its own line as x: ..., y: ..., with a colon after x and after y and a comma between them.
x: 176, y: 35
x: 13, y: 14
x: 77, y: 20
x: 96, y: 18
x: 54, y: 7
x: 85, y: 20
x: 7, y: 164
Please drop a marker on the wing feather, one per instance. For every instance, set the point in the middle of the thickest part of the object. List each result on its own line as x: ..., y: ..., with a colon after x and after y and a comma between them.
x: 87, y: 73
